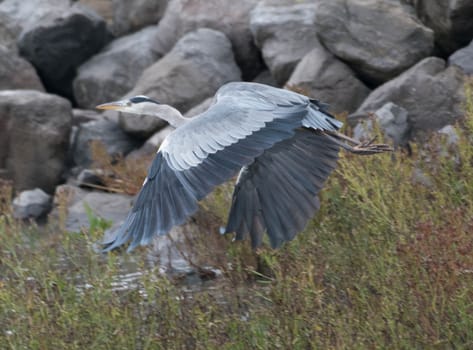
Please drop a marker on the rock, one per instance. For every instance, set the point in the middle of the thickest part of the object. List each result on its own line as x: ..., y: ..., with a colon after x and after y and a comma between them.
x: 266, y: 78
x: 9, y: 30
x: 103, y: 7
x: 115, y: 70
x: 377, y: 38
x: 200, y: 108
x: 229, y: 17
x: 192, y: 71
x: 129, y: 16
x: 431, y: 93
x: 105, y: 132
x: 391, y: 119
x: 151, y: 145
x: 325, y: 78
x: 450, y: 134
x: 31, y: 204
x: 108, y: 206
x: 21, y: 16
x: 80, y: 116
x: 451, y: 21
x: 90, y: 178
x: 34, y: 132
x: 16, y: 72
x: 463, y: 58
x: 285, y: 34
x: 57, y: 46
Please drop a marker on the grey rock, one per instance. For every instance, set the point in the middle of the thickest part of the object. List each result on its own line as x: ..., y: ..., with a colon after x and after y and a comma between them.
x: 151, y: 145
x: 451, y: 135
x: 431, y: 93
x: 229, y: 17
x: 452, y: 21
x: 34, y: 132
x: 16, y: 72
x: 108, y: 206
x: 107, y: 133
x: 31, y: 204
x: 89, y: 178
x: 9, y: 30
x: 377, y: 38
x: 80, y: 116
x: 285, y: 34
x: 21, y: 16
x: 322, y: 76
x: 200, y: 108
x: 103, y: 7
x: 266, y: 78
x: 56, y: 46
x: 129, y: 16
x: 115, y: 70
x: 392, y: 120
x: 192, y: 71
x: 463, y: 58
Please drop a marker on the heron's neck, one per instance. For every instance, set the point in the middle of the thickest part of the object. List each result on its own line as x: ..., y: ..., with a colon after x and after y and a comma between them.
x: 169, y: 114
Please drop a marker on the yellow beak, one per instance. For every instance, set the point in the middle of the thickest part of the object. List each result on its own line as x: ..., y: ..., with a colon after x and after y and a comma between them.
x: 117, y: 105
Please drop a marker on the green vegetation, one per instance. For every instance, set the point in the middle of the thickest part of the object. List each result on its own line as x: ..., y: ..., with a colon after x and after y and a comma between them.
x: 387, y: 263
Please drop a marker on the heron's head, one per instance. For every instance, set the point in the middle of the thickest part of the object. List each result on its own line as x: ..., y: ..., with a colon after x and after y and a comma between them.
x: 136, y: 105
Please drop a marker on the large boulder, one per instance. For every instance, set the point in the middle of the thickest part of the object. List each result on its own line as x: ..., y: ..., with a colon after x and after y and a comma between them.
x: 451, y: 20
x: 16, y: 72
x: 9, y: 30
x: 377, y: 38
x: 23, y: 16
x: 391, y: 119
x: 108, y: 206
x: 110, y: 74
x: 151, y: 146
x: 229, y: 17
x: 431, y: 93
x: 200, y: 108
x: 324, y: 77
x: 56, y: 46
x: 192, y: 71
x: 106, y: 132
x: 129, y: 16
x: 34, y: 132
x: 463, y: 58
x: 285, y: 34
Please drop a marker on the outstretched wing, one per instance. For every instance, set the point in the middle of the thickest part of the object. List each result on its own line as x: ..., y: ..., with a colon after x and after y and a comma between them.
x: 278, y: 192
x: 246, y: 120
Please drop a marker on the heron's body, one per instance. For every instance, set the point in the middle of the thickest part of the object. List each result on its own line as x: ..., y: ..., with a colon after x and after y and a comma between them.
x: 281, y: 142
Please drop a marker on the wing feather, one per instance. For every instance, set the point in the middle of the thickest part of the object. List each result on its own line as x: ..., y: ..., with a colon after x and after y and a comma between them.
x: 288, y: 178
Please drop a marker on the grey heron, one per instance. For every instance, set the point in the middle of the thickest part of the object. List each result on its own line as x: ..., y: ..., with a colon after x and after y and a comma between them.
x: 283, y: 144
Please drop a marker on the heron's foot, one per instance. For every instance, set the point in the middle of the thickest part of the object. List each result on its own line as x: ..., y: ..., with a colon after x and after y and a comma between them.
x: 370, y: 147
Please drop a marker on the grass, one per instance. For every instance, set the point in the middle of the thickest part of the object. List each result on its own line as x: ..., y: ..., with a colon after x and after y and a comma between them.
x: 386, y: 263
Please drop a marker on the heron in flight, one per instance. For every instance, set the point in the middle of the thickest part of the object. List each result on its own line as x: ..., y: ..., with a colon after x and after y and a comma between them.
x: 283, y: 144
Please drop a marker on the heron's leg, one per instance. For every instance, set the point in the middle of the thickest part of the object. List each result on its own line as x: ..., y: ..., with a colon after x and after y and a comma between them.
x: 357, y: 147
